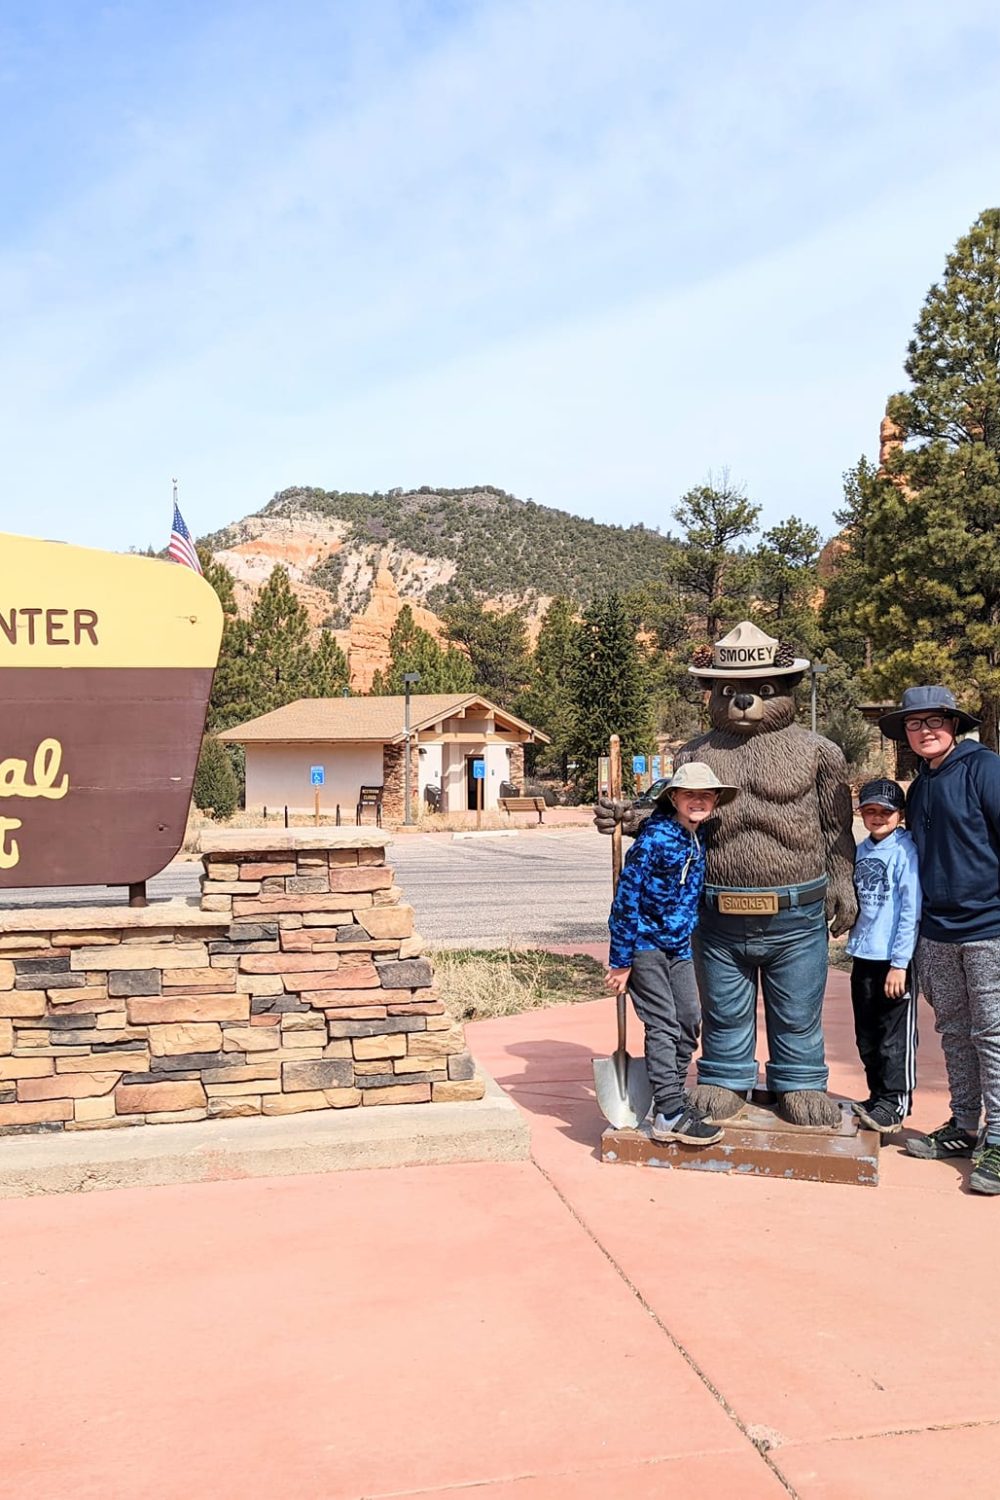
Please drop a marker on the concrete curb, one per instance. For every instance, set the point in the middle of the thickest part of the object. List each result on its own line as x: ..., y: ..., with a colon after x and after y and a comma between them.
x: 398, y: 1135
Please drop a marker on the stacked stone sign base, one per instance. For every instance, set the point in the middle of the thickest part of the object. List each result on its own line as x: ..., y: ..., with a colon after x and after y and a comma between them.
x: 296, y: 983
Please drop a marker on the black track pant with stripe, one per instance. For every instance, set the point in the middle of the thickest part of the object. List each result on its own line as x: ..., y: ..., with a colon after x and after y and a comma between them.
x: 886, y: 1033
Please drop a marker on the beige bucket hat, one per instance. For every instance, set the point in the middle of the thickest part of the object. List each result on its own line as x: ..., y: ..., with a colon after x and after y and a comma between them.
x: 695, y: 776
x: 748, y: 651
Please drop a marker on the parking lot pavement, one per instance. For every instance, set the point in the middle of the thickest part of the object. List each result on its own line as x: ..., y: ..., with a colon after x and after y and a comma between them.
x: 481, y: 890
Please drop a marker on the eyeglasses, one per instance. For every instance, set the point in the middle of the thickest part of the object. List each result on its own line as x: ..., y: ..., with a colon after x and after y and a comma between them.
x: 931, y: 721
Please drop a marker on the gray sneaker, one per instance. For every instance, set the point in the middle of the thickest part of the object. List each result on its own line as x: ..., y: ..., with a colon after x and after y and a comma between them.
x: 946, y: 1143
x: 689, y: 1127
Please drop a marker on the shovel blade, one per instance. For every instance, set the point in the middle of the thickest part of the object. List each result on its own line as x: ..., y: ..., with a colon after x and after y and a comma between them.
x: 623, y: 1092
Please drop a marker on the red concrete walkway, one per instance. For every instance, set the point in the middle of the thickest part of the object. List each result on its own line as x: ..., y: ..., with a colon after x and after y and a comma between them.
x: 560, y: 1330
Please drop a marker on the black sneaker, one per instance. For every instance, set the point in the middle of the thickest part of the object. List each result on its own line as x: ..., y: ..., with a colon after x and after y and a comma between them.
x: 945, y: 1143
x: 881, y: 1116
x: 986, y: 1171
x: 689, y: 1127
x: 860, y: 1104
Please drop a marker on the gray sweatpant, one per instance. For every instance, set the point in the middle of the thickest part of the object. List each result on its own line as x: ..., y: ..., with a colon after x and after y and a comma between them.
x: 665, y: 997
x: 962, y: 983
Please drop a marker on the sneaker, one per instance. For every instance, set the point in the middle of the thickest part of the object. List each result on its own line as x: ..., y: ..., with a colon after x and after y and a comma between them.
x: 945, y: 1143
x: 880, y: 1116
x: 689, y: 1127
x: 861, y: 1104
x: 986, y: 1171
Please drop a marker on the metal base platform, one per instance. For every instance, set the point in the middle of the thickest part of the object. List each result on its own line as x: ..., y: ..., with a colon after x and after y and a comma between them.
x: 757, y: 1143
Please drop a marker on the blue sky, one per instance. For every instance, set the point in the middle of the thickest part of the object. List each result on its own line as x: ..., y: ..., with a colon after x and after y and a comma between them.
x: 581, y: 250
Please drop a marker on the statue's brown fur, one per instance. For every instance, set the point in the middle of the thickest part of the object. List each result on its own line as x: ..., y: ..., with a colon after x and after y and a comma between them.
x: 792, y: 819
x: 791, y: 823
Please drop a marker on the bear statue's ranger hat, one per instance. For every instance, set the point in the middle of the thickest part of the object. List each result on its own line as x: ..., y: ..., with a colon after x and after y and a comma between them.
x: 696, y: 776
x: 748, y: 652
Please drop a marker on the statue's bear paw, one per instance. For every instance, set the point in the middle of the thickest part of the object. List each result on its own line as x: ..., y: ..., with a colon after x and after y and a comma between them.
x: 809, y: 1107
x: 716, y: 1103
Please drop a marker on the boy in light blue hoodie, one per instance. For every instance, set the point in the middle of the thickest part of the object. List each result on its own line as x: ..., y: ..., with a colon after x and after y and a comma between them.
x: 881, y: 945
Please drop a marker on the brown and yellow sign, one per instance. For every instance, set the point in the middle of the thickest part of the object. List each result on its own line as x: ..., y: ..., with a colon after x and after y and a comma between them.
x: 106, y: 665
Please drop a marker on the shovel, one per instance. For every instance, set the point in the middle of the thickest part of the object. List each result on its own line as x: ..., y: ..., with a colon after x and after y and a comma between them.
x: 621, y: 1082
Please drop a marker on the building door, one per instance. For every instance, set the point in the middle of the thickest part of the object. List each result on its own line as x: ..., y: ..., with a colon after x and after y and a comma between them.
x: 471, y: 784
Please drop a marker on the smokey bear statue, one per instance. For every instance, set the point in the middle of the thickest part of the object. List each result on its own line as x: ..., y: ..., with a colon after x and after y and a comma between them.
x: 779, y: 868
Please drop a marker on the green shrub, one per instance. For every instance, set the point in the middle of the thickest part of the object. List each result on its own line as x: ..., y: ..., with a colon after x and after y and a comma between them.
x: 216, y: 790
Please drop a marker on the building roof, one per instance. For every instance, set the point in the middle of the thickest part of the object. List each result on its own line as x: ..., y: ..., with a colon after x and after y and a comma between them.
x: 373, y: 719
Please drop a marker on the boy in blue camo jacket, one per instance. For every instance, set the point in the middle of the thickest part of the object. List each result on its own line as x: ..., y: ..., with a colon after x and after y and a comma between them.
x: 654, y: 913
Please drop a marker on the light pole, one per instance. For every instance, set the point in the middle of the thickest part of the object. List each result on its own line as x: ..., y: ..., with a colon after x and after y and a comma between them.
x: 814, y: 671
x: 409, y: 678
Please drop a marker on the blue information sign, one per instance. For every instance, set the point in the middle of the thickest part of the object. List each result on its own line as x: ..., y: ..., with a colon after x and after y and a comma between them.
x: 479, y: 770
x: 317, y: 775
x: 639, y: 765
x: 656, y: 768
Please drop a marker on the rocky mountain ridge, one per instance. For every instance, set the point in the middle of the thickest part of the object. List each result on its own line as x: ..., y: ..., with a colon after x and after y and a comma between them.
x: 354, y: 559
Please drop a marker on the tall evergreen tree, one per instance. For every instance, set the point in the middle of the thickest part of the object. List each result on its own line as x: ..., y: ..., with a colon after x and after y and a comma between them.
x: 327, y: 674
x: 844, y: 615
x: 268, y: 660
x: 547, y: 702
x: 714, y: 517
x: 412, y: 649
x: 610, y: 691
x: 786, y: 585
x: 933, y: 543
x: 497, y: 646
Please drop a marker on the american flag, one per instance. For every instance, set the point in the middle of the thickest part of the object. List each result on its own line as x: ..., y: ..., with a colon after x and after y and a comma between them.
x: 181, y: 548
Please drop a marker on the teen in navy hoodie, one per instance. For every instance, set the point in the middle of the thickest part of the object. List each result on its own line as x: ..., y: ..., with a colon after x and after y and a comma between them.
x: 953, y: 815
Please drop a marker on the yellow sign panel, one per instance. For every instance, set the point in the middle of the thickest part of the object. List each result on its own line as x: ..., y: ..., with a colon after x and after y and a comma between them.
x: 63, y: 606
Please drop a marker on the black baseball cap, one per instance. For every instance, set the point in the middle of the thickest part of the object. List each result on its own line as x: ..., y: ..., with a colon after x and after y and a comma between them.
x: 882, y: 793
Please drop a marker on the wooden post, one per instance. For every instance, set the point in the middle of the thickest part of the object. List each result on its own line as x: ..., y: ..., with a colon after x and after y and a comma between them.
x: 614, y: 792
x: 316, y: 806
x: 286, y: 814
x: 479, y: 801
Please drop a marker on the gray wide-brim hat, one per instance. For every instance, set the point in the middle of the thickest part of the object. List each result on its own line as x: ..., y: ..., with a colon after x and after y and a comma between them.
x: 695, y: 776
x: 925, y: 700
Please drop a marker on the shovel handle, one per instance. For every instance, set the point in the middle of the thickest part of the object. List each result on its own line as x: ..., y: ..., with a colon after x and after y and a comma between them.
x: 615, y: 789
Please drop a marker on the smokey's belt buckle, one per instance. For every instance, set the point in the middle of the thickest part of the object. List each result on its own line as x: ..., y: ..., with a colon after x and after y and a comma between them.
x: 748, y: 903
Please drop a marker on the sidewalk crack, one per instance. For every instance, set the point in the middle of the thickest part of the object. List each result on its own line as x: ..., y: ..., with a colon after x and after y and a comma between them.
x: 755, y: 1437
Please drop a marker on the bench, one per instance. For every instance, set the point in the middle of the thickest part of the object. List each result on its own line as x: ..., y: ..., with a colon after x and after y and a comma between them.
x: 370, y: 796
x: 523, y: 804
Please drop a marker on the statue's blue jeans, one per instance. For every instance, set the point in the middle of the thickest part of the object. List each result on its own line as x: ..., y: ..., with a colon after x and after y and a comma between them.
x: 788, y: 952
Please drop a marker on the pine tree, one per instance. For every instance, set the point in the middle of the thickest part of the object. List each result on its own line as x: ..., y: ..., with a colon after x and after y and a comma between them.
x: 216, y: 789
x: 547, y: 702
x: 932, y: 564
x: 785, y: 591
x: 327, y: 675
x: 844, y: 616
x: 714, y: 517
x: 497, y: 646
x: 610, y: 690
x: 412, y: 649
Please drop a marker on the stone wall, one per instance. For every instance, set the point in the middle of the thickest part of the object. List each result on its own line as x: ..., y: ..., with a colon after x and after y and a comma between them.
x: 393, y: 794
x: 517, y: 766
x: 296, y: 983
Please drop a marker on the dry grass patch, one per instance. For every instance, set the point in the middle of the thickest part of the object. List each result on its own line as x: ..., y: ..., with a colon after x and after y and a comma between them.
x: 476, y: 984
